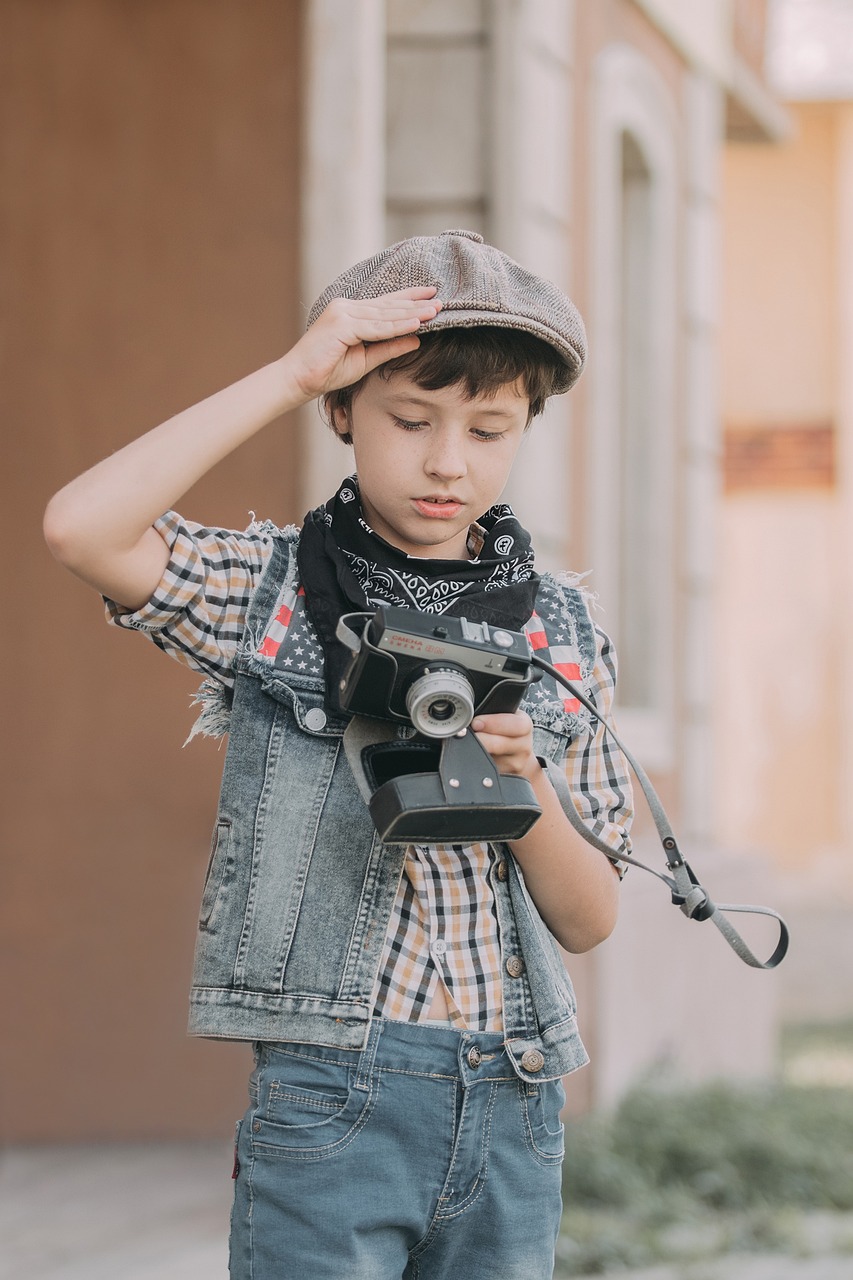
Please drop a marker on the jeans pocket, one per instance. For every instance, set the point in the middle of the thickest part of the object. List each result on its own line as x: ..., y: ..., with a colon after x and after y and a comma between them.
x: 307, y: 1108
x: 543, y: 1129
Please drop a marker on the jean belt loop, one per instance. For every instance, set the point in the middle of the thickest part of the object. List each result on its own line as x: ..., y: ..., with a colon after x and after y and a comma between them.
x: 368, y: 1055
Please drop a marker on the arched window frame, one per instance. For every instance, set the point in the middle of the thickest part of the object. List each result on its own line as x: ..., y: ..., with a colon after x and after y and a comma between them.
x: 629, y: 98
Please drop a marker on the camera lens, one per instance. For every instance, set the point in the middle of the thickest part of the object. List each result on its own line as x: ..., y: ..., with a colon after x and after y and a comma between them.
x: 441, y: 709
x: 440, y: 703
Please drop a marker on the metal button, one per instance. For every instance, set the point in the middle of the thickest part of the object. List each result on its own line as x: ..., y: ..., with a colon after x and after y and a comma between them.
x: 502, y: 869
x: 532, y: 1060
x: 474, y: 1058
x: 315, y: 719
x: 256, y: 1127
x: 515, y: 966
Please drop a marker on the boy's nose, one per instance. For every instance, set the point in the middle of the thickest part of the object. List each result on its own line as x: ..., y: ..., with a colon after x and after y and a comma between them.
x: 446, y: 460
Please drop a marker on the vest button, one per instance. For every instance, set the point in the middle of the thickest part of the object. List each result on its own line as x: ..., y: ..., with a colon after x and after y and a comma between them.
x: 315, y: 719
x: 474, y: 1058
x: 532, y: 1060
x: 515, y: 966
x: 502, y: 869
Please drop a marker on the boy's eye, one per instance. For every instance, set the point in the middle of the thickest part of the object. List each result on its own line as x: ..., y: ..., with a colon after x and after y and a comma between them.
x: 407, y: 425
x: 487, y: 435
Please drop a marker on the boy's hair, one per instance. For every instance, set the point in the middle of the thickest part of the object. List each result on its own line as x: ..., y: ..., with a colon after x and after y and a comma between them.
x: 481, y: 360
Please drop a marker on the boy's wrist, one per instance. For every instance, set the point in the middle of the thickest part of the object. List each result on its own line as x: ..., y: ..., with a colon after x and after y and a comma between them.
x: 294, y: 392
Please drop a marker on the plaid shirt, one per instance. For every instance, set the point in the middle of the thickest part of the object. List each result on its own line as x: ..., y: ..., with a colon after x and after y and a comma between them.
x: 443, y: 927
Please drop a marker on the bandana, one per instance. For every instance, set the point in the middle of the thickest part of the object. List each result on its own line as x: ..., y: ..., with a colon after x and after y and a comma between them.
x: 345, y: 567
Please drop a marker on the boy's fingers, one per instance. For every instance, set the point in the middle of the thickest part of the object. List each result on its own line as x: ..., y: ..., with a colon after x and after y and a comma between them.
x: 392, y: 306
x: 379, y: 352
x: 516, y: 724
x: 417, y: 291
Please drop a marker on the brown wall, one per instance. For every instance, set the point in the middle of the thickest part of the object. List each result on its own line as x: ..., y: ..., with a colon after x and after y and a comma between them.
x: 148, y: 208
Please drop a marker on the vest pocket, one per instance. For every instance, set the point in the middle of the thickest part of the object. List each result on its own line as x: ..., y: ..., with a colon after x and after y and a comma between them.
x: 219, y: 855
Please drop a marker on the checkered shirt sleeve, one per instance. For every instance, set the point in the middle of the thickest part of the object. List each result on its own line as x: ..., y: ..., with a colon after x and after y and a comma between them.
x: 198, y: 610
x: 596, y: 769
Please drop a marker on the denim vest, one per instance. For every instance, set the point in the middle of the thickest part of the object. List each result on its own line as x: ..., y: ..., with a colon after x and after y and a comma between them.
x: 300, y: 889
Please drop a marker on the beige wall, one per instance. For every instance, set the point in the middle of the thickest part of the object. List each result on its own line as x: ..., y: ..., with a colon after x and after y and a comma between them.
x: 149, y: 213
x: 779, y: 331
x: 781, y: 641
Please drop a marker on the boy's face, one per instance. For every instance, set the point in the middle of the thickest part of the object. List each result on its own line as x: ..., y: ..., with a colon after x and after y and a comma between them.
x: 431, y: 462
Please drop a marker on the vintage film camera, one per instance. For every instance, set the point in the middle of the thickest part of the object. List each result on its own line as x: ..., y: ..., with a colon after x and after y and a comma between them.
x: 434, y: 673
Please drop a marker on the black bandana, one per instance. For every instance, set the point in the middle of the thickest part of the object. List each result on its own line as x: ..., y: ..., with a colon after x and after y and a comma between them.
x: 345, y: 567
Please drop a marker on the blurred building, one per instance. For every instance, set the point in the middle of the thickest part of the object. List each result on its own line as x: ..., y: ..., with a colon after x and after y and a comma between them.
x: 180, y: 182
x: 787, y: 398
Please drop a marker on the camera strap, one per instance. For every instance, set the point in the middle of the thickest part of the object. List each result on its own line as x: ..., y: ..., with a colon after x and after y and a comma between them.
x: 687, y: 893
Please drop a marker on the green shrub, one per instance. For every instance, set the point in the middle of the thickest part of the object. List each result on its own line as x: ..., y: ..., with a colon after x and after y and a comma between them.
x: 727, y: 1148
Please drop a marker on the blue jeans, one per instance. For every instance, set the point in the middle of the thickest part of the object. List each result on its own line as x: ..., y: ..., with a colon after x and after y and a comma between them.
x: 422, y: 1157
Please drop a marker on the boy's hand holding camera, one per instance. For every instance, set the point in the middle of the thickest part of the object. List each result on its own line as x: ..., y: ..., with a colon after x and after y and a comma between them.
x: 508, y: 738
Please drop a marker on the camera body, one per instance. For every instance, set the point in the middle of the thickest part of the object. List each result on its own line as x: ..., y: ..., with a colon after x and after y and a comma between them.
x: 437, y: 672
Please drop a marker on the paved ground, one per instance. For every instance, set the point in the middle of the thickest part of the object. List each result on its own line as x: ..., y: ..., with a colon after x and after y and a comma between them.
x: 115, y: 1213
x: 161, y: 1213
x: 744, y: 1267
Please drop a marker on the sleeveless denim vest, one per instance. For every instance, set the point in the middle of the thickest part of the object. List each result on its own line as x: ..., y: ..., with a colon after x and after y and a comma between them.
x: 300, y: 889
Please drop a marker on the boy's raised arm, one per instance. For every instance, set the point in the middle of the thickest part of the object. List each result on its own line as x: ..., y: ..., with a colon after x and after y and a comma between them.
x: 99, y: 525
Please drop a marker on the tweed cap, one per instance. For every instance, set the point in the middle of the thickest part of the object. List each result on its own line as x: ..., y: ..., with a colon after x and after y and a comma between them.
x: 477, y: 284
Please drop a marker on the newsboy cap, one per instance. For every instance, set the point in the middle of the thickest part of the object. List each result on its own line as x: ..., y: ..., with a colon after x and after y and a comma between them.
x: 477, y: 285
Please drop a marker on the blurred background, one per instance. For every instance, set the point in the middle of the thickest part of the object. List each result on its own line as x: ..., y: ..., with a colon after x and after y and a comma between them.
x: 180, y: 179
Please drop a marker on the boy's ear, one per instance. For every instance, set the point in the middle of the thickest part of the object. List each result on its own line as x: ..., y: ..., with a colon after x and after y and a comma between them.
x: 341, y: 422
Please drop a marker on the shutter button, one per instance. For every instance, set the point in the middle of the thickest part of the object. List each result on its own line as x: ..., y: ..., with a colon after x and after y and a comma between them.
x: 474, y: 1058
x: 315, y: 719
x: 515, y: 966
x: 532, y: 1060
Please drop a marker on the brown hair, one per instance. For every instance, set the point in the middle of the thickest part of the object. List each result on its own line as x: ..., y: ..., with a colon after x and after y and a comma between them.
x: 481, y: 360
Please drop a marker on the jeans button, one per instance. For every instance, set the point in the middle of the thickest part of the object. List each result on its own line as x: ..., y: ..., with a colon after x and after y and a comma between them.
x: 515, y: 966
x: 315, y: 719
x: 502, y: 869
x: 474, y: 1058
x: 532, y: 1060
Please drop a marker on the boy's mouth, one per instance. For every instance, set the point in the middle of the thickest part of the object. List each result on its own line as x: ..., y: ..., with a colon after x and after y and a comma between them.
x: 438, y: 506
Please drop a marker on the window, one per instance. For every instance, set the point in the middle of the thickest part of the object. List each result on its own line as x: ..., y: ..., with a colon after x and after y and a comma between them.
x: 633, y: 322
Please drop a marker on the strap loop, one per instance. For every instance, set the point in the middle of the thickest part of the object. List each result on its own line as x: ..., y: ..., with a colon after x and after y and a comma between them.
x: 687, y: 893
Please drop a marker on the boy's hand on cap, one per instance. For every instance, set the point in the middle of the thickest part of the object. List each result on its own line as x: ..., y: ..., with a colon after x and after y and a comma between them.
x: 354, y: 336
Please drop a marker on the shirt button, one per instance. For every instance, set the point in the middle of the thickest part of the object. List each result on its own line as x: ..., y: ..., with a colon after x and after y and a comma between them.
x: 532, y: 1060
x: 474, y: 1058
x: 515, y: 966
x: 315, y: 719
x: 502, y: 869
x: 439, y: 947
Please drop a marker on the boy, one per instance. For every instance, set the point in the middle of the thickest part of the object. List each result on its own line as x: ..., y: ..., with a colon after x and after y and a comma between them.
x: 410, y: 1012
